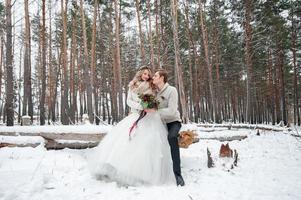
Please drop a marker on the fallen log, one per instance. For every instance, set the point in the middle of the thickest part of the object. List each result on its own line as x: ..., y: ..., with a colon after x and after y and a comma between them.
x: 225, y: 138
x: 82, y: 141
x: 60, y: 136
x: 245, y: 126
x: 54, y: 145
x: 295, y: 135
x: 57, y: 145
x: 73, y: 140
x: 4, y: 144
x: 50, y: 140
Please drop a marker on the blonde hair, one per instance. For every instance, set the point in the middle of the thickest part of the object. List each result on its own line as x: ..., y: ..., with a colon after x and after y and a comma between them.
x: 138, y: 77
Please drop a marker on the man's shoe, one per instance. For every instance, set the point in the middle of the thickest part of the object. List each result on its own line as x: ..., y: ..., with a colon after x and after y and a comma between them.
x: 180, y: 180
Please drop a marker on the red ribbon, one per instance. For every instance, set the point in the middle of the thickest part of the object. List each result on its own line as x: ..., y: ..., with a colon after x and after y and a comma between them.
x: 142, y: 114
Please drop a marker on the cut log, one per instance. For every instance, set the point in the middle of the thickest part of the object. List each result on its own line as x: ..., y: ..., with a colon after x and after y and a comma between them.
x: 187, y: 138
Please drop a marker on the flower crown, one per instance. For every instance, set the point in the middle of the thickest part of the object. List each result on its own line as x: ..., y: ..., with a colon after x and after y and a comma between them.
x: 144, y: 67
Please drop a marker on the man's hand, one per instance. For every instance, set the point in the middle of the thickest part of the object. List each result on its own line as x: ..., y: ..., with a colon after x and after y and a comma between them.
x: 150, y: 110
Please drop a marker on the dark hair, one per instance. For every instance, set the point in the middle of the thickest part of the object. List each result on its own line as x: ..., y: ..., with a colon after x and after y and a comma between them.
x: 163, y: 72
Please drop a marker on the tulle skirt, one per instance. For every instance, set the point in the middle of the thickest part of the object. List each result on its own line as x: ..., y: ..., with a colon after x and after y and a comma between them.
x: 144, y: 159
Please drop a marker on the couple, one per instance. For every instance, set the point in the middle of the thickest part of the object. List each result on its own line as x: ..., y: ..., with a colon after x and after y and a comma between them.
x: 151, y: 155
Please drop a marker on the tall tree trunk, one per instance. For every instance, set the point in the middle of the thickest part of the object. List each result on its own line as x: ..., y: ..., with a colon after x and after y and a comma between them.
x: 277, y: 92
x: 216, y: 61
x: 80, y: 82
x: 270, y: 88
x: 93, y: 63
x: 56, y: 76
x: 207, y: 59
x: 64, y: 90
x: 100, y: 55
x: 20, y: 84
x: 43, y: 70
x: 9, y: 101
x: 113, y: 82
x: 150, y: 39
x: 190, y: 57
x: 248, y: 59
x: 178, y: 65
x: 280, y: 66
x: 164, y: 39
x: 87, y: 72
x: 2, y: 70
x: 296, y: 74
x: 1, y: 66
x: 158, y: 37
x: 142, y: 50
x: 50, y: 70
x: 118, y: 62
x: 27, y: 108
x: 73, y: 57
x: 234, y: 104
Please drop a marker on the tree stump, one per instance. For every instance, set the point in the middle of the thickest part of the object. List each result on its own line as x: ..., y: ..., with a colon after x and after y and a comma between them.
x: 225, y: 151
x: 210, y: 162
x: 86, y: 119
x: 235, y: 158
x: 25, y: 120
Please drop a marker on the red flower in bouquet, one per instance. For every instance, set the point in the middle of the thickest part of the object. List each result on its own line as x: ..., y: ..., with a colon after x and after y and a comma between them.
x: 148, y: 101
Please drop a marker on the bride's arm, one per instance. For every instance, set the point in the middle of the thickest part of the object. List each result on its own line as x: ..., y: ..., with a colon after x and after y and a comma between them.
x: 132, y: 103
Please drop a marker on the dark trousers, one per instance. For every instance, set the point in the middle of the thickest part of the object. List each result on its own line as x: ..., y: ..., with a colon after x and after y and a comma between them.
x: 173, y: 131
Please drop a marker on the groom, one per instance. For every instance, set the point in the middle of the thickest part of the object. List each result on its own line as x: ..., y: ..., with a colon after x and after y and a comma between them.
x: 168, y: 110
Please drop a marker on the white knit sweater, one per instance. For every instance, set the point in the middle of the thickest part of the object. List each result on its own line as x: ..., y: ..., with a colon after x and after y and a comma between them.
x: 133, y: 101
x: 168, y: 108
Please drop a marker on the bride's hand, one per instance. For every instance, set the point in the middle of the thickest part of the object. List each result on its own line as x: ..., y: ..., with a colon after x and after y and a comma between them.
x: 150, y: 110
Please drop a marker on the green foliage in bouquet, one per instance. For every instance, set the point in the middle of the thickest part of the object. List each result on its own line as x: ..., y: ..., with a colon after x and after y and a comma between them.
x: 148, y: 101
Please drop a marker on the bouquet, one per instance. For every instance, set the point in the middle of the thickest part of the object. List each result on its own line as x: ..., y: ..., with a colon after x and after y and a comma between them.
x: 148, y: 101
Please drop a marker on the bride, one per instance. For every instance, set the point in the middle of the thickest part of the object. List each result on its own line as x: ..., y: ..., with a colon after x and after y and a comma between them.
x: 142, y: 155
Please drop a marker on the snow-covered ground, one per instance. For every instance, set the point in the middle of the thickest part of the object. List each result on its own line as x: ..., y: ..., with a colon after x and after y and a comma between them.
x: 269, y: 168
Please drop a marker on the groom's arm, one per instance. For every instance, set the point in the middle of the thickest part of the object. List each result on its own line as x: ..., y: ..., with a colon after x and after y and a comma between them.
x: 171, y: 110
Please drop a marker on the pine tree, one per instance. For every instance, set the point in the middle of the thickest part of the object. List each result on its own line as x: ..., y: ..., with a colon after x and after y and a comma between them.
x: 9, y: 100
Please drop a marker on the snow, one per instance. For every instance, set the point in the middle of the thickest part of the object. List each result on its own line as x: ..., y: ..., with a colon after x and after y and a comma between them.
x: 268, y: 169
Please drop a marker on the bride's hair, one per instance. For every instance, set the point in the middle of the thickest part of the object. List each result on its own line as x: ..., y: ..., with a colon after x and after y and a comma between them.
x: 138, y: 77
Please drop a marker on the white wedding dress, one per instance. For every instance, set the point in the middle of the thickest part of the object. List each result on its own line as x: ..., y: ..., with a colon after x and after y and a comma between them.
x: 144, y: 159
